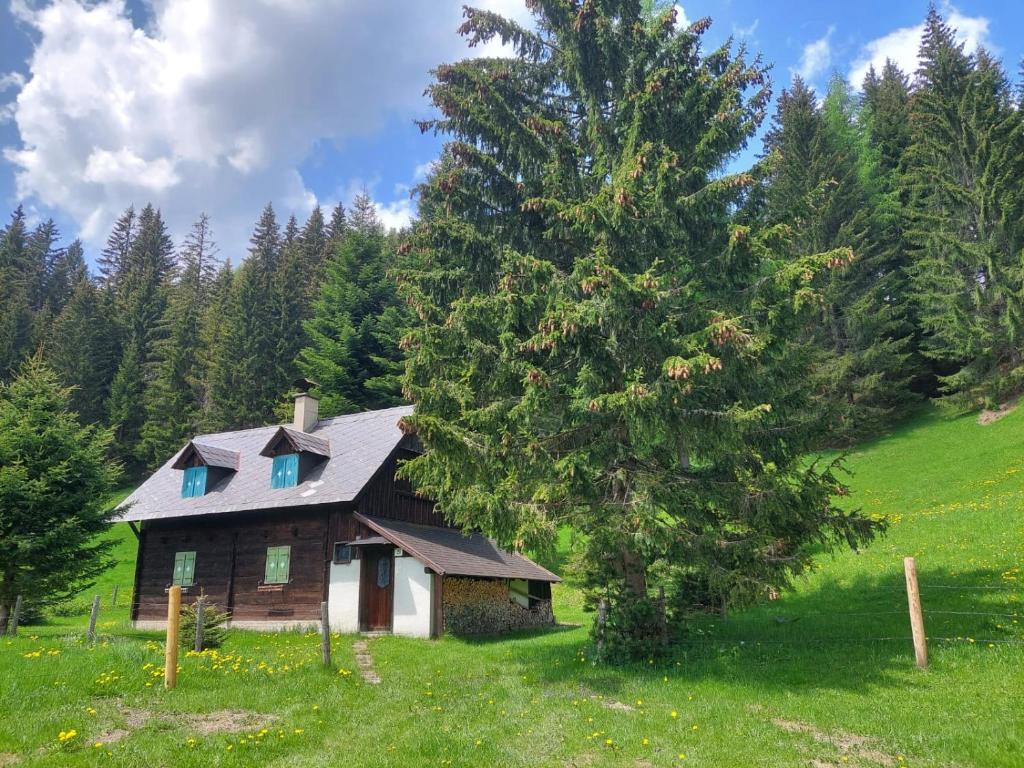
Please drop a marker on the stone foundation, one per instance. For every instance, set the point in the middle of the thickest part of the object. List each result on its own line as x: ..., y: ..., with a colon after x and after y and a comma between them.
x: 484, y: 607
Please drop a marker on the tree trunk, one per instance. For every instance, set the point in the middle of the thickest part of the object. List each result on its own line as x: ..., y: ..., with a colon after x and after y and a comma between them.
x: 634, y: 573
x: 5, y: 614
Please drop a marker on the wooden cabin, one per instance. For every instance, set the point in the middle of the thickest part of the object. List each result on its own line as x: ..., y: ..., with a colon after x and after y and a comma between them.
x: 266, y: 523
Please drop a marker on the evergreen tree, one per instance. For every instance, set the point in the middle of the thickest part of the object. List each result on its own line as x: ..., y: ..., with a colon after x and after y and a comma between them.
x: 55, y: 481
x: 15, y: 306
x: 114, y: 257
x: 211, y: 335
x: 291, y: 289
x: 174, y: 399
x: 358, y: 321
x: 247, y: 374
x: 338, y: 227
x: 42, y: 252
x: 817, y: 182
x: 363, y: 216
x: 315, y: 243
x: 140, y: 298
x: 963, y: 178
x: 80, y: 349
x: 67, y: 271
x: 599, y: 345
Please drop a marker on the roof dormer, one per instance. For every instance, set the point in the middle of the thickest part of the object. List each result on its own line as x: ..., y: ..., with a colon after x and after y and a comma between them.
x: 294, y: 453
x: 203, y: 467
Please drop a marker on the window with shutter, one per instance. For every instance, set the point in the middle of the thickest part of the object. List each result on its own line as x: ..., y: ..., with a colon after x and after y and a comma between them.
x: 194, y: 482
x: 277, y: 565
x: 184, y: 569
x: 285, y: 471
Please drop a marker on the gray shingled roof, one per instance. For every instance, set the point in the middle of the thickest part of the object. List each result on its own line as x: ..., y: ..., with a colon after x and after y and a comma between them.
x: 211, y: 455
x: 451, y: 552
x: 359, y: 444
x: 300, y: 441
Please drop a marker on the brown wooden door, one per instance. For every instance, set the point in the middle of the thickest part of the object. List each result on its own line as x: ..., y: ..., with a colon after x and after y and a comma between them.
x: 377, y: 587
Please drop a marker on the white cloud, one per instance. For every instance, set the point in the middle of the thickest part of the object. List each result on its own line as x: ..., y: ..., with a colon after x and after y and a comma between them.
x: 682, y: 21
x: 901, y: 45
x: 212, y: 106
x: 747, y: 31
x: 816, y: 57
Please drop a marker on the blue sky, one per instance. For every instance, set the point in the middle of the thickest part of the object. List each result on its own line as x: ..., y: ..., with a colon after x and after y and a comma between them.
x: 220, y: 107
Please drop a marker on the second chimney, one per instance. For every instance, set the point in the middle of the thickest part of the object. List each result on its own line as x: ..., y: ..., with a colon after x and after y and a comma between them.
x: 307, y: 407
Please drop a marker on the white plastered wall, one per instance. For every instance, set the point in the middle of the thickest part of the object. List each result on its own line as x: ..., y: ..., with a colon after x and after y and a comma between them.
x: 343, y: 597
x: 413, y: 594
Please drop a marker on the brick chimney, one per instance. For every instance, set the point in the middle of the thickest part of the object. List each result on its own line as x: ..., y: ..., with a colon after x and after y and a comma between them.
x: 307, y: 407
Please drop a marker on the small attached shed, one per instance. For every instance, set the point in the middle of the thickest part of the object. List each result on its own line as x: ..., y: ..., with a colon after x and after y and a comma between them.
x: 421, y: 581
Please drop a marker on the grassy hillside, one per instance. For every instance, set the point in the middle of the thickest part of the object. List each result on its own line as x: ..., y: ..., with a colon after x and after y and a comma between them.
x: 822, y: 677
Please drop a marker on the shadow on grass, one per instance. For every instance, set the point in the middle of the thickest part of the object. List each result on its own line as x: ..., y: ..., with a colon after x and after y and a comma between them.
x: 844, y: 635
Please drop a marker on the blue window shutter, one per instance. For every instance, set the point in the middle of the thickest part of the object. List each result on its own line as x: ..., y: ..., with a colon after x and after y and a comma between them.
x: 194, y: 482
x: 285, y: 471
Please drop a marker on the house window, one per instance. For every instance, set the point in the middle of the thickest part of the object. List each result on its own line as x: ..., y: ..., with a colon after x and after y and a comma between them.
x: 285, y: 472
x: 194, y: 482
x: 342, y: 553
x: 277, y: 565
x: 184, y: 569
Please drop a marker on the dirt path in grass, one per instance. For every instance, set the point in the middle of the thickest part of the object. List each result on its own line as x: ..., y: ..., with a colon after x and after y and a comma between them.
x: 847, y: 743
x: 365, y: 662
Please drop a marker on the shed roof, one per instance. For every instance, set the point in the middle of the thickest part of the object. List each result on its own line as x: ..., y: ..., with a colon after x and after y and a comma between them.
x: 451, y: 552
x: 359, y: 445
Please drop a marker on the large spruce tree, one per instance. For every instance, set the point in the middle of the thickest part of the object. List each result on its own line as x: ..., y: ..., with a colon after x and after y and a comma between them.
x: 820, y: 182
x: 599, y: 346
x: 140, y: 292
x: 963, y: 177
x: 81, y: 349
x: 248, y: 374
x: 173, y: 398
x: 357, y: 321
x: 55, y: 480
x: 15, y: 303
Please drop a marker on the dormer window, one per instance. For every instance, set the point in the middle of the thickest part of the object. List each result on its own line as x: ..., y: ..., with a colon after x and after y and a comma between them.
x: 203, y: 467
x: 295, y: 455
x: 285, y: 472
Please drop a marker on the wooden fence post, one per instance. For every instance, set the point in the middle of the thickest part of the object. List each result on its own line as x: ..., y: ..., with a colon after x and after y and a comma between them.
x: 199, y: 624
x: 171, y: 649
x: 916, y: 617
x: 12, y: 624
x: 325, y: 635
x: 91, y: 634
x: 113, y: 597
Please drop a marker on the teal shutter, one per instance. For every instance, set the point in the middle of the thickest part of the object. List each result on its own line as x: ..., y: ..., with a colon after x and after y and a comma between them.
x: 285, y: 471
x: 194, y: 482
x: 188, y: 575
x: 270, y: 577
x: 277, y: 565
x: 283, y: 564
x: 184, y: 569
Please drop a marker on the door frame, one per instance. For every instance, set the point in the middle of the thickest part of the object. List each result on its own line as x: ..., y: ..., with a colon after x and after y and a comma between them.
x: 366, y: 578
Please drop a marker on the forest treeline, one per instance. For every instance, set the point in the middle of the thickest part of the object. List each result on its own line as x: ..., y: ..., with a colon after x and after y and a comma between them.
x: 915, y: 181
x: 166, y: 342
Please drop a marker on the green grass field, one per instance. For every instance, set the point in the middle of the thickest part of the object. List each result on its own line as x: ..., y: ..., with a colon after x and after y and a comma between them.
x: 824, y: 676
